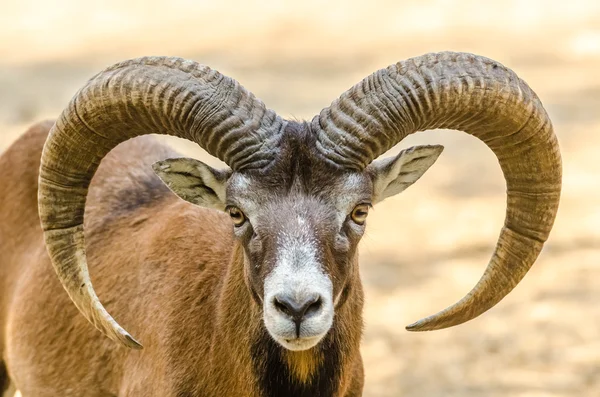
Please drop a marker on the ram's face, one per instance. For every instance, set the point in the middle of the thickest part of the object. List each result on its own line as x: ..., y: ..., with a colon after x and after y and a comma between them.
x: 299, y: 221
x: 300, y: 236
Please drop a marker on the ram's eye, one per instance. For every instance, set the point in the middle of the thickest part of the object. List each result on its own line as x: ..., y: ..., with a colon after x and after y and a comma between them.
x: 236, y: 215
x: 359, y: 213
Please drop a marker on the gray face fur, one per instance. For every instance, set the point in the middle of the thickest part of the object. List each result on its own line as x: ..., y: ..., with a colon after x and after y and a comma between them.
x: 299, y: 221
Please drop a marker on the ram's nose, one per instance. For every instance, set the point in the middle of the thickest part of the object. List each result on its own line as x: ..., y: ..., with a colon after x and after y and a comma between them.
x: 298, y: 307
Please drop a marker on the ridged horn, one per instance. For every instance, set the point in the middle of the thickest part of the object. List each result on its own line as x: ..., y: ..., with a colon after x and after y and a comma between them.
x: 157, y: 95
x: 485, y: 99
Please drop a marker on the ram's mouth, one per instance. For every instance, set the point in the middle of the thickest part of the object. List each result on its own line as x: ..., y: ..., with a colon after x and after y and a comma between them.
x: 298, y: 344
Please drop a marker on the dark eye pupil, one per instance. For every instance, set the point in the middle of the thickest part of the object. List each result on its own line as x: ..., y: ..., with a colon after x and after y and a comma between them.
x: 360, y: 213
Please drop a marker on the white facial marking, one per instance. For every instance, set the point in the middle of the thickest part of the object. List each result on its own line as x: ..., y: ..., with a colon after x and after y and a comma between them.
x: 352, y: 187
x: 240, y: 182
x: 241, y: 185
x: 298, y: 275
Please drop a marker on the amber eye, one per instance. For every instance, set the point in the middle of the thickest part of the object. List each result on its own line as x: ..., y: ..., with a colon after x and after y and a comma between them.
x: 236, y: 215
x: 359, y: 213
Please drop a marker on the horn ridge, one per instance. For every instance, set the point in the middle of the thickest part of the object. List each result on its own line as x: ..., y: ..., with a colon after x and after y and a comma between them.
x: 170, y: 96
x: 485, y: 99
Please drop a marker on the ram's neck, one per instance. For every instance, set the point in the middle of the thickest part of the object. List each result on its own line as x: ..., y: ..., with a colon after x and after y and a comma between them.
x: 247, y: 359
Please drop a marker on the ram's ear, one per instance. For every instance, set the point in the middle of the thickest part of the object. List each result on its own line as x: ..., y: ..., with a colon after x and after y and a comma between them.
x: 394, y: 174
x: 194, y: 181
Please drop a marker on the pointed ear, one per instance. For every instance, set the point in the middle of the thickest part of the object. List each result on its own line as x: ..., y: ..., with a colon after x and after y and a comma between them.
x: 194, y: 181
x: 394, y: 174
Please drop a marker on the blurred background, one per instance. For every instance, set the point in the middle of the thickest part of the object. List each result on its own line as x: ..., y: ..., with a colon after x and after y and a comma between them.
x: 426, y: 248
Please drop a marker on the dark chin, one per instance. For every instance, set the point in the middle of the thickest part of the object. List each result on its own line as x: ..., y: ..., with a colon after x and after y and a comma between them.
x: 272, y: 372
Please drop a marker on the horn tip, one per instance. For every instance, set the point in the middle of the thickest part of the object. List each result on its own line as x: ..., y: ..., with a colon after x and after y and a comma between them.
x: 414, y: 327
x: 131, y: 343
x: 422, y: 325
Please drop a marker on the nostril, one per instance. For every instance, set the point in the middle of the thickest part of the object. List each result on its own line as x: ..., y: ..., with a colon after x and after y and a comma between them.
x: 314, y: 306
x: 298, y: 308
x: 283, y: 306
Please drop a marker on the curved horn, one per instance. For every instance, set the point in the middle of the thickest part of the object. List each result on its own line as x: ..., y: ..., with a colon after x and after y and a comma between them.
x: 485, y: 99
x: 148, y: 95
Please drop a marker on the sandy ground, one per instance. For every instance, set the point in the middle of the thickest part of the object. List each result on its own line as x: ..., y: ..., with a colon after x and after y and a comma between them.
x: 428, y: 247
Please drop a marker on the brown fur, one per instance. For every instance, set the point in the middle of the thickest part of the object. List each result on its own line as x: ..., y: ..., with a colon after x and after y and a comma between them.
x: 170, y: 272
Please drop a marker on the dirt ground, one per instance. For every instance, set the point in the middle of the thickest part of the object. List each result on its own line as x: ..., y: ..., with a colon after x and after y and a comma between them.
x: 426, y: 248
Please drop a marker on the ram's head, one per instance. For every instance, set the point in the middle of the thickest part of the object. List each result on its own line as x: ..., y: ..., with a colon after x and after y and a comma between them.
x: 298, y: 194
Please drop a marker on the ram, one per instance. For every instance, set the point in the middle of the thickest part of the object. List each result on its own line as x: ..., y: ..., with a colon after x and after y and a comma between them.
x: 262, y: 297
